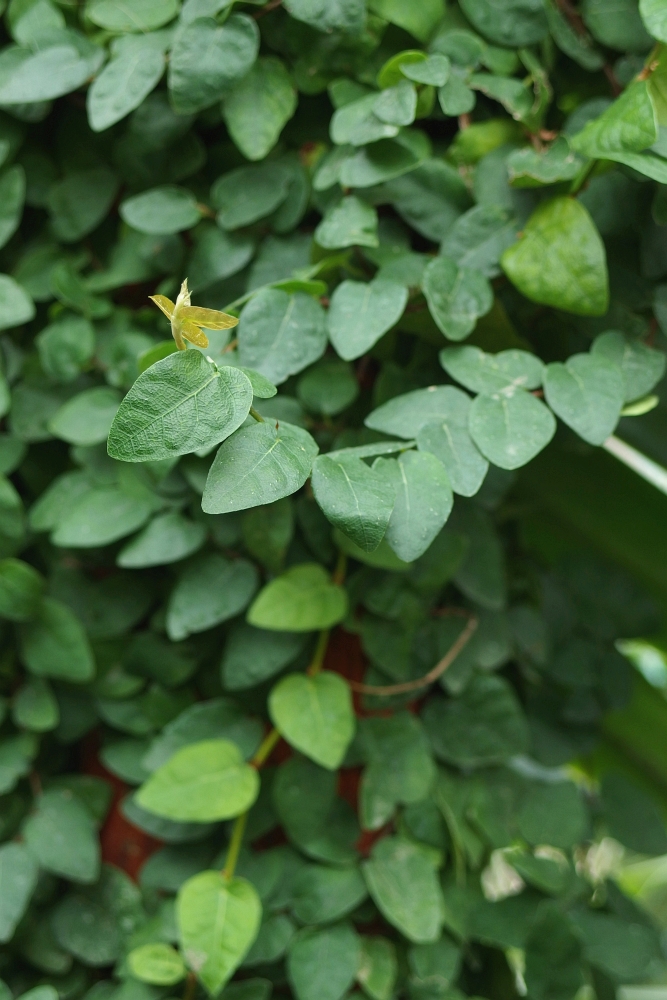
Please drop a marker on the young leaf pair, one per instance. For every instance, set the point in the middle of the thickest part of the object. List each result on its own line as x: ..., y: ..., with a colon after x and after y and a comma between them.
x: 186, y: 320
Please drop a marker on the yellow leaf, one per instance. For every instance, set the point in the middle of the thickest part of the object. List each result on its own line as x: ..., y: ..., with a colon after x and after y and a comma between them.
x: 163, y: 303
x: 211, y: 319
x: 193, y: 334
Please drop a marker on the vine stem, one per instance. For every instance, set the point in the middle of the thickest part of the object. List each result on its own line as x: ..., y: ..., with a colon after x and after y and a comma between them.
x: 271, y: 739
x: 190, y: 986
x: 428, y: 678
x: 235, y: 845
x: 256, y: 416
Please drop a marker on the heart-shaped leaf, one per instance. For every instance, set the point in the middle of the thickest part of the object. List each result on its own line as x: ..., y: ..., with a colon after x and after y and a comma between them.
x: 315, y: 715
x: 201, y: 783
x: 218, y: 919
x: 511, y: 427
x: 587, y: 392
x: 560, y: 259
x: 301, y: 600
x: 179, y: 405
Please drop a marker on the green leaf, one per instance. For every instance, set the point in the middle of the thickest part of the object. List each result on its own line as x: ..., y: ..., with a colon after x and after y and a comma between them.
x: 618, y: 27
x: 553, y: 957
x: 478, y: 237
x: 218, y: 920
x: 512, y: 24
x: 280, y: 334
x: 403, y: 882
x: 654, y: 16
x: 629, y: 125
x: 620, y: 948
x: 484, y: 726
x: 135, y: 69
x: 322, y: 962
x: 400, y: 767
x: 16, y: 306
x: 322, y: 895
x: 21, y: 589
x: 553, y: 814
x: 93, y: 922
x: 35, y: 707
x: 378, y: 968
x: 529, y: 168
x: 157, y: 964
x: 65, y: 347
x: 354, y: 497
x: 356, y: 123
x: 301, y: 600
x: 211, y: 590
x: 423, y: 501
x: 456, y: 297
x: 433, y: 70
x: 202, y: 783
x: 327, y: 15
x: 632, y: 816
x: 491, y: 373
x: 218, y: 718
x: 642, y: 366
x: 143, y: 15
x: 61, y: 834
x: 12, y: 196
x: 166, y: 539
x: 216, y: 255
x: 102, y: 514
x: 396, y: 105
x: 247, y: 194
x: 360, y: 313
x: 259, y: 106
x: 405, y: 415
x: 350, y: 222
x: 86, y: 418
x: 419, y: 20
x: 314, y: 715
x: 160, y: 211
x: 560, y: 259
x: 444, y: 432
x: 179, y: 405
x: 510, y: 427
x: 329, y: 387
x: 252, y: 655
x: 80, y: 201
x: 16, y: 755
x: 55, y: 645
x: 258, y: 465
x: 57, y: 69
x: 207, y: 57
x: 18, y: 878
x: 587, y: 392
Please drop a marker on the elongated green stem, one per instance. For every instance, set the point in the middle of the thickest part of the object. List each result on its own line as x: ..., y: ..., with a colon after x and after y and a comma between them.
x: 256, y: 416
x: 582, y: 177
x: 265, y: 748
x: 318, y: 655
x: 235, y: 845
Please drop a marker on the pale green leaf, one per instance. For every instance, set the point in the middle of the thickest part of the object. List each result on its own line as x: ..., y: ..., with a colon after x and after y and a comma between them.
x: 560, y: 259
x: 142, y: 15
x: 161, y: 211
x: 510, y: 427
x: 166, y: 539
x: 126, y: 80
x: 654, y: 16
x: 201, y: 783
x: 490, y: 373
x: 158, y: 964
x: 314, y: 715
x: 330, y: 15
x: 218, y: 919
x: 642, y: 366
x: 301, y: 600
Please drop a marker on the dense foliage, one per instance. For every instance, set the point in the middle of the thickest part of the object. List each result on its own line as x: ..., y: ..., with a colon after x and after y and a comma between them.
x: 303, y: 687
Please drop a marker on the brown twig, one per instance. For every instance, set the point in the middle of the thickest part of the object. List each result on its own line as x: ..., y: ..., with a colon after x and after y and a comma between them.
x: 433, y: 675
x: 267, y: 8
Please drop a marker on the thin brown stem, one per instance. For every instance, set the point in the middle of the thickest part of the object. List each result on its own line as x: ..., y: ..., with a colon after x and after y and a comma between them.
x: 433, y: 675
x: 190, y: 987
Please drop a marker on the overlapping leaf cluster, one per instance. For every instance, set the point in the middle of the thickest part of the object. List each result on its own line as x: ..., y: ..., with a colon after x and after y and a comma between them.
x: 438, y: 236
